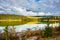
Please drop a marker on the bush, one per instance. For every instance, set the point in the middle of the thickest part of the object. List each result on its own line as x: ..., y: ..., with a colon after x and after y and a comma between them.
x: 47, y: 32
x: 58, y: 29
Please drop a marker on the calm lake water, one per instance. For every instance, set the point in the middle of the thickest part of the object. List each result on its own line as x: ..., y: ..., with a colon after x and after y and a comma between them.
x: 31, y: 26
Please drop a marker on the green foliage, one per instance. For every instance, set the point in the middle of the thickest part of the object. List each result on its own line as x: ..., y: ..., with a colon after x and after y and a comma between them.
x: 58, y: 29
x: 47, y: 32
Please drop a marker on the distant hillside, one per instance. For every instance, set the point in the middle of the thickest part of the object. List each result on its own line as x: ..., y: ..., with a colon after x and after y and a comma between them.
x: 12, y: 19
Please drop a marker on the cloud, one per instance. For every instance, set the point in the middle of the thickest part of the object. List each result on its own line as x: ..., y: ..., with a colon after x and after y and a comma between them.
x: 49, y: 14
x: 42, y: 14
x: 1, y: 11
x: 19, y: 9
x: 22, y: 11
x: 35, y: 6
x: 25, y: 12
x: 30, y: 13
x: 57, y: 13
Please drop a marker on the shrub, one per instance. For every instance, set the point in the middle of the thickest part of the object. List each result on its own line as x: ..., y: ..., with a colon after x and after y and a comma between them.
x: 58, y: 29
x: 47, y: 32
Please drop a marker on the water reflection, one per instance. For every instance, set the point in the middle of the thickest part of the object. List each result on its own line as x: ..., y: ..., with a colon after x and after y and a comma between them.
x: 24, y: 22
x: 33, y: 26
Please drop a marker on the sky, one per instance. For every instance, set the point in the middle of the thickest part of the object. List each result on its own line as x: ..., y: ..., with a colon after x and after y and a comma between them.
x: 30, y: 7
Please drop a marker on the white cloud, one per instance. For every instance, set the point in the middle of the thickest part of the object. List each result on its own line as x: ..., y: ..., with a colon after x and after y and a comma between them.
x: 23, y: 11
x: 19, y: 9
x: 54, y: 1
x: 33, y: 5
x: 30, y: 13
x: 49, y: 14
x: 57, y: 13
x: 1, y: 11
x: 41, y: 14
